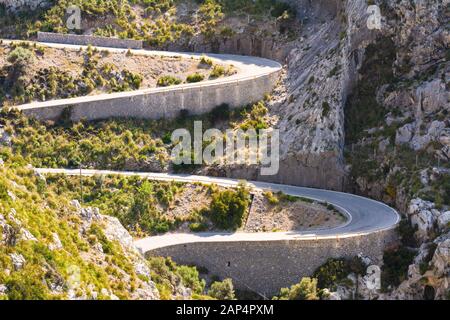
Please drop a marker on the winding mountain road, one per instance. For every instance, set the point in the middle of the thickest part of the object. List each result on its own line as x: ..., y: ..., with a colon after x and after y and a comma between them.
x: 365, y: 215
x: 248, y: 67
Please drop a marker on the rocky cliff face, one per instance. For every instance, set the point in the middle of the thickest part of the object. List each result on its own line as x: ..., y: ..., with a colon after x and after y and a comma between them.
x: 321, y: 67
x: 380, y: 97
x: 398, y: 76
x: 400, y: 155
x: 320, y: 72
x: 426, y: 279
x: 18, y: 5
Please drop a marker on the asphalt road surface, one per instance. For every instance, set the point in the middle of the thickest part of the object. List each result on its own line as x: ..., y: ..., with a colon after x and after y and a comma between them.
x: 364, y: 216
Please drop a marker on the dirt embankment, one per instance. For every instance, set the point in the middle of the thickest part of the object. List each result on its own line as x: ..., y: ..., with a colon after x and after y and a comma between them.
x: 274, y: 212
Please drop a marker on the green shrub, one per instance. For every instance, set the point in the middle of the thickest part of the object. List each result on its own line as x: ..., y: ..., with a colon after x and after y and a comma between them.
x: 27, y: 285
x: 167, y: 275
x: 306, y: 289
x: 395, y: 266
x: 229, y: 207
x: 255, y: 118
x: 206, y: 61
x: 3, y: 191
x: 227, y: 32
x: 198, y: 226
x: 190, y: 278
x: 166, y: 81
x: 325, y: 109
x: 271, y: 197
x: 15, y: 84
x: 222, y: 290
x: 406, y: 232
x: 195, y: 77
x: 133, y: 79
x: 20, y: 57
x: 220, y: 113
x: 287, y: 197
x: 217, y: 72
x: 336, y: 270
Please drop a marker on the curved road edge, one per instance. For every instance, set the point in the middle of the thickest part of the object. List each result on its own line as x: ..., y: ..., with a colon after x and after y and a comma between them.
x: 248, y: 67
x: 366, y: 216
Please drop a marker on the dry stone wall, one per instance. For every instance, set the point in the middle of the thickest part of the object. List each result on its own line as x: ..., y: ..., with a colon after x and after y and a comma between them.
x: 76, y: 39
x: 157, y: 103
x: 267, y: 266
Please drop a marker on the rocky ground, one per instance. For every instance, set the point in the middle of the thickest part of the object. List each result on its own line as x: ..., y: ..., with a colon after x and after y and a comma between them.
x: 281, y: 214
x: 427, y: 277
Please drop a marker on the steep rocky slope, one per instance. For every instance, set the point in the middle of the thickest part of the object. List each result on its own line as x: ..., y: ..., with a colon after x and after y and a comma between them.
x: 397, y: 128
x: 362, y: 110
x: 320, y: 71
x: 16, y: 5
x: 52, y: 247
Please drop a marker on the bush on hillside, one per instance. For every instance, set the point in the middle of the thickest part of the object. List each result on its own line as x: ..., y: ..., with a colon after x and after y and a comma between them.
x: 166, y: 81
x: 395, y: 266
x: 195, y: 77
x: 229, y: 208
x: 222, y: 290
x: 335, y: 270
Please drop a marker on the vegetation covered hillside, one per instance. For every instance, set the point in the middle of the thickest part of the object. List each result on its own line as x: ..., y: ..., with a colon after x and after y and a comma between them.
x: 119, y: 144
x: 159, y: 23
x: 147, y: 207
x: 51, y: 247
x: 32, y: 72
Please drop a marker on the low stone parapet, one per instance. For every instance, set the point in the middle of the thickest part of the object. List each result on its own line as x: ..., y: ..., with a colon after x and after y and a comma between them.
x: 75, y: 39
x: 267, y: 266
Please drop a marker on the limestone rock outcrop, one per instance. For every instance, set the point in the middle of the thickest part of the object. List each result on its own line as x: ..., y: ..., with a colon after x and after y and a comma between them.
x: 427, y: 279
x: 426, y: 217
x: 19, y: 5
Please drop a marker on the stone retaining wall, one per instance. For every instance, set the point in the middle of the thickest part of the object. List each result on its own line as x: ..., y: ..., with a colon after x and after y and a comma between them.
x: 76, y: 39
x: 267, y: 266
x: 157, y: 103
